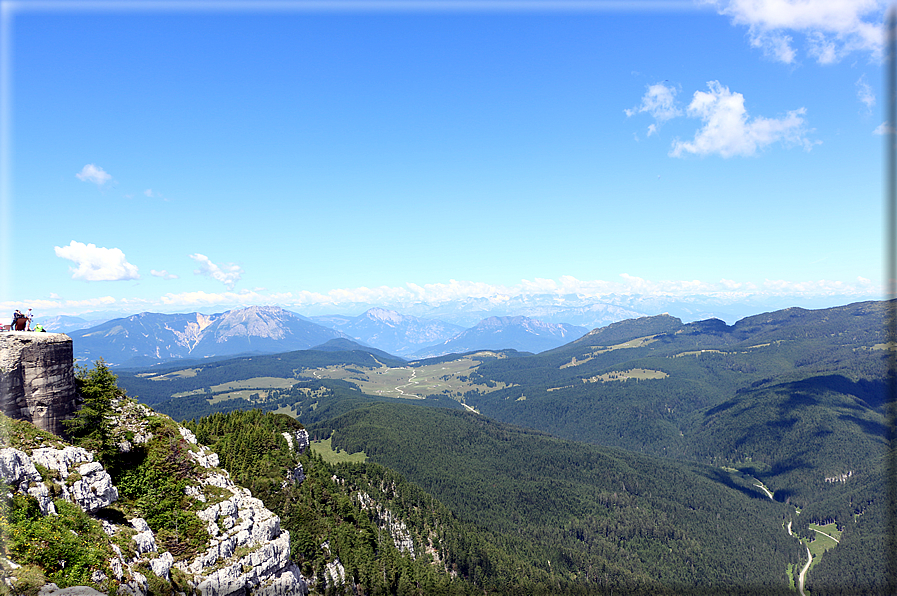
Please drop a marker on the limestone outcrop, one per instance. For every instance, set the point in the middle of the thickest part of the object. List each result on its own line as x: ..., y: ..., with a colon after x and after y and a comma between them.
x: 247, y: 551
x: 386, y: 519
x: 297, y: 440
x: 37, y: 378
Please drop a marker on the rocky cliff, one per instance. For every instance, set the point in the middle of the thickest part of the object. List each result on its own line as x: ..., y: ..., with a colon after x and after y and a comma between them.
x: 239, y: 546
x: 37, y: 378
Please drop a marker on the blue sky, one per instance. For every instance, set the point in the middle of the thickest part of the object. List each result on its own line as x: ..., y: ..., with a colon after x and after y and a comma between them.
x: 188, y: 156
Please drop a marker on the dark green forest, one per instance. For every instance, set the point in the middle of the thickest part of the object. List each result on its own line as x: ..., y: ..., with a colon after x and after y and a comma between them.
x: 607, y: 519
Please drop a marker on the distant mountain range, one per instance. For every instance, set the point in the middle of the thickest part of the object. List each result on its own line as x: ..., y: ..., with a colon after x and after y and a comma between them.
x: 67, y: 323
x: 391, y: 331
x: 531, y: 323
x: 152, y: 338
x: 496, y: 333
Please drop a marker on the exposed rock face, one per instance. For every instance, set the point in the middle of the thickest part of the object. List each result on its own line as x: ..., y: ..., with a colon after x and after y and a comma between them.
x: 37, y: 378
x: 335, y: 574
x: 18, y: 471
x: 385, y: 518
x: 297, y: 440
x: 92, y: 489
x: 247, y: 553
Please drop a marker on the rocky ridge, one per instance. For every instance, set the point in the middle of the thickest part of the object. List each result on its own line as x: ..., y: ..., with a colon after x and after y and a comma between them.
x: 247, y: 552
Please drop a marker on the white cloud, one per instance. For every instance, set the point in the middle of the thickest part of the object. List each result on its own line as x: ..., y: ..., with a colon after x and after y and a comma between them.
x: 149, y: 193
x: 660, y: 102
x: 728, y: 131
x: 93, y: 173
x: 883, y: 129
x: 832, y: 28
x: 163, y: 274
x: 96, y: 263
x: 626, y: 285
x: 865, y: 93
x: 228, y: 274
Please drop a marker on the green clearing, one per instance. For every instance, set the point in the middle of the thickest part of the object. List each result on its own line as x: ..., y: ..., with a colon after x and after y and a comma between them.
x: 188, y: 393
x: 696, y: 353
x: 638, y: 374
x: 254, y: 383
x: 247, y: 394
x: 178, y: 374
x: 325, y: 450
x: 288, y: 410
x: 411, y: 382
x: 634, y: 343
x: 826, y: 538
x: 260, y: 387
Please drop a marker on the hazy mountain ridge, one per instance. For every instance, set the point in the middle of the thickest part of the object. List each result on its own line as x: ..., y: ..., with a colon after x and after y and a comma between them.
x: 149, y: 338
x: 391, y: 331
x: 494, y: 333
x: 551, y: 308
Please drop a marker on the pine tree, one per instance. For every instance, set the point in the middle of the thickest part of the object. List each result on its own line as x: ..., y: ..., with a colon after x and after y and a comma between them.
x: 90, y: 428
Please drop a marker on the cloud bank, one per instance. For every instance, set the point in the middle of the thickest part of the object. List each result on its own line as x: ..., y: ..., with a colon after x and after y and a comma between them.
x: 831, y: 29
x: 95, y: 263
x: 563, y: 290
x: 564, y: 287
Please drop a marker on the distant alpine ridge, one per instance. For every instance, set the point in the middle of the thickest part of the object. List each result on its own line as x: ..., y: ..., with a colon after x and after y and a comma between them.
x: 152, y: 338
x: 391, y: 331
x: 496, y: 333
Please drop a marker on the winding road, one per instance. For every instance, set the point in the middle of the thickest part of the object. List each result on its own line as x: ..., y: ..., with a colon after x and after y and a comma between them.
x: 410, y: 380
x: 803, y: 573
x: 824, y: 534
x: 764, y: 489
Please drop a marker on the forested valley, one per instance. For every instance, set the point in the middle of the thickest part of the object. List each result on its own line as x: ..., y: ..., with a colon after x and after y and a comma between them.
x: 661, y: 455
